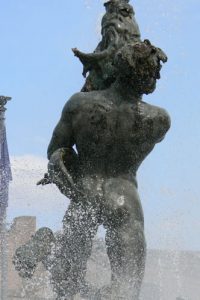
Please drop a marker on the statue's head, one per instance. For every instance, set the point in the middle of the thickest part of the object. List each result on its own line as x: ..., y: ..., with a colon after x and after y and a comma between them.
x: 120, y: 17
x: 119, y: 6
x: 139, y: 65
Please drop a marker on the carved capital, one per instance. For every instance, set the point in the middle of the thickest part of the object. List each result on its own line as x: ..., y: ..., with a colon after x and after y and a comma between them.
x: 3, y: 101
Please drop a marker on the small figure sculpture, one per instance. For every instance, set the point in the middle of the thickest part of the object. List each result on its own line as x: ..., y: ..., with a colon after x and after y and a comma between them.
x: 118, y: 28
x: 113, y: 131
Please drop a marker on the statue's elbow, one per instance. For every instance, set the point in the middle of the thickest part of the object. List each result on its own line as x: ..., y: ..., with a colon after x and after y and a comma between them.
x: 167, y: 122
x: 50, y: 150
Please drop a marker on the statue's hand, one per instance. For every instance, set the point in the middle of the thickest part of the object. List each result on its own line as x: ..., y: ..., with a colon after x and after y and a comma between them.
x: 45, y: 180
x: 85, y: 60
x: 95, y: 56
x: 82, y: 56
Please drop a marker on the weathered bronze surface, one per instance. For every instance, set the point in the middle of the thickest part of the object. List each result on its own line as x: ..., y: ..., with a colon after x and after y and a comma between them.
x: 104, y: 134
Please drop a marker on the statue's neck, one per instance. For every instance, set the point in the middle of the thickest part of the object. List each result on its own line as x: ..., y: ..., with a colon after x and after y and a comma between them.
x: 123, y: 91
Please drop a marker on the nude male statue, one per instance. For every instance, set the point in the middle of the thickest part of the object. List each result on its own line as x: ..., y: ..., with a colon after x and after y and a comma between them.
x: 113, y: 131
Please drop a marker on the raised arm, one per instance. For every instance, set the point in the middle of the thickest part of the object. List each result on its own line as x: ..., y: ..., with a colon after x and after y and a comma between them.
x: 62, y: 135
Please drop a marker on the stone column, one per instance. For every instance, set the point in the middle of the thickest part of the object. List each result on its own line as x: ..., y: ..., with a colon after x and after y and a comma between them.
x: 5, y: 177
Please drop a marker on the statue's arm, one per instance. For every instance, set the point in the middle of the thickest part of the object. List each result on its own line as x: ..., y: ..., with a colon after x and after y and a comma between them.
x: 62, y: 138
x: 62, y: 135
x: 92, y: 60
x: 92, y: 57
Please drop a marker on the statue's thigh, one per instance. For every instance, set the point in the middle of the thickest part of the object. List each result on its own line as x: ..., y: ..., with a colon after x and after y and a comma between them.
x: 80, y: 219
x: 80, y: 225
x: 125, y: 225
x: 126, y: 246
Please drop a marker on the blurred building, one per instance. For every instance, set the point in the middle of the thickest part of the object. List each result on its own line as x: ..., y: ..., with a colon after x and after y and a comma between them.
x: 169, y: 275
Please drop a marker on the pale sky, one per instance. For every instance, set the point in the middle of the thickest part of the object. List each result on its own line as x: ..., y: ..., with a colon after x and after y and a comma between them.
x: 39, y: 71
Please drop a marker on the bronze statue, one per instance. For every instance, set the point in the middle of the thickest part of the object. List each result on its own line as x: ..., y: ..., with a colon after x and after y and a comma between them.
x: 113, y: 131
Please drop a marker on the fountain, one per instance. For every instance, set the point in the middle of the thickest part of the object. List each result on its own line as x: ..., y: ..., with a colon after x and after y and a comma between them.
x: 104, y: 134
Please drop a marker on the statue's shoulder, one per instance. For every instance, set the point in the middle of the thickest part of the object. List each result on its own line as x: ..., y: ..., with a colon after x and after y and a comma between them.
x: 154, y: 111
x: 157, y: 119
x: 83, y: 99
x: 74, y: 101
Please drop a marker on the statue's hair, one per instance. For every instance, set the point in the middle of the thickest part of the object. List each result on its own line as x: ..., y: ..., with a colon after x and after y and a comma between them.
x: 140, y: 63
x: 116, y: 1
x: 115, y: 4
